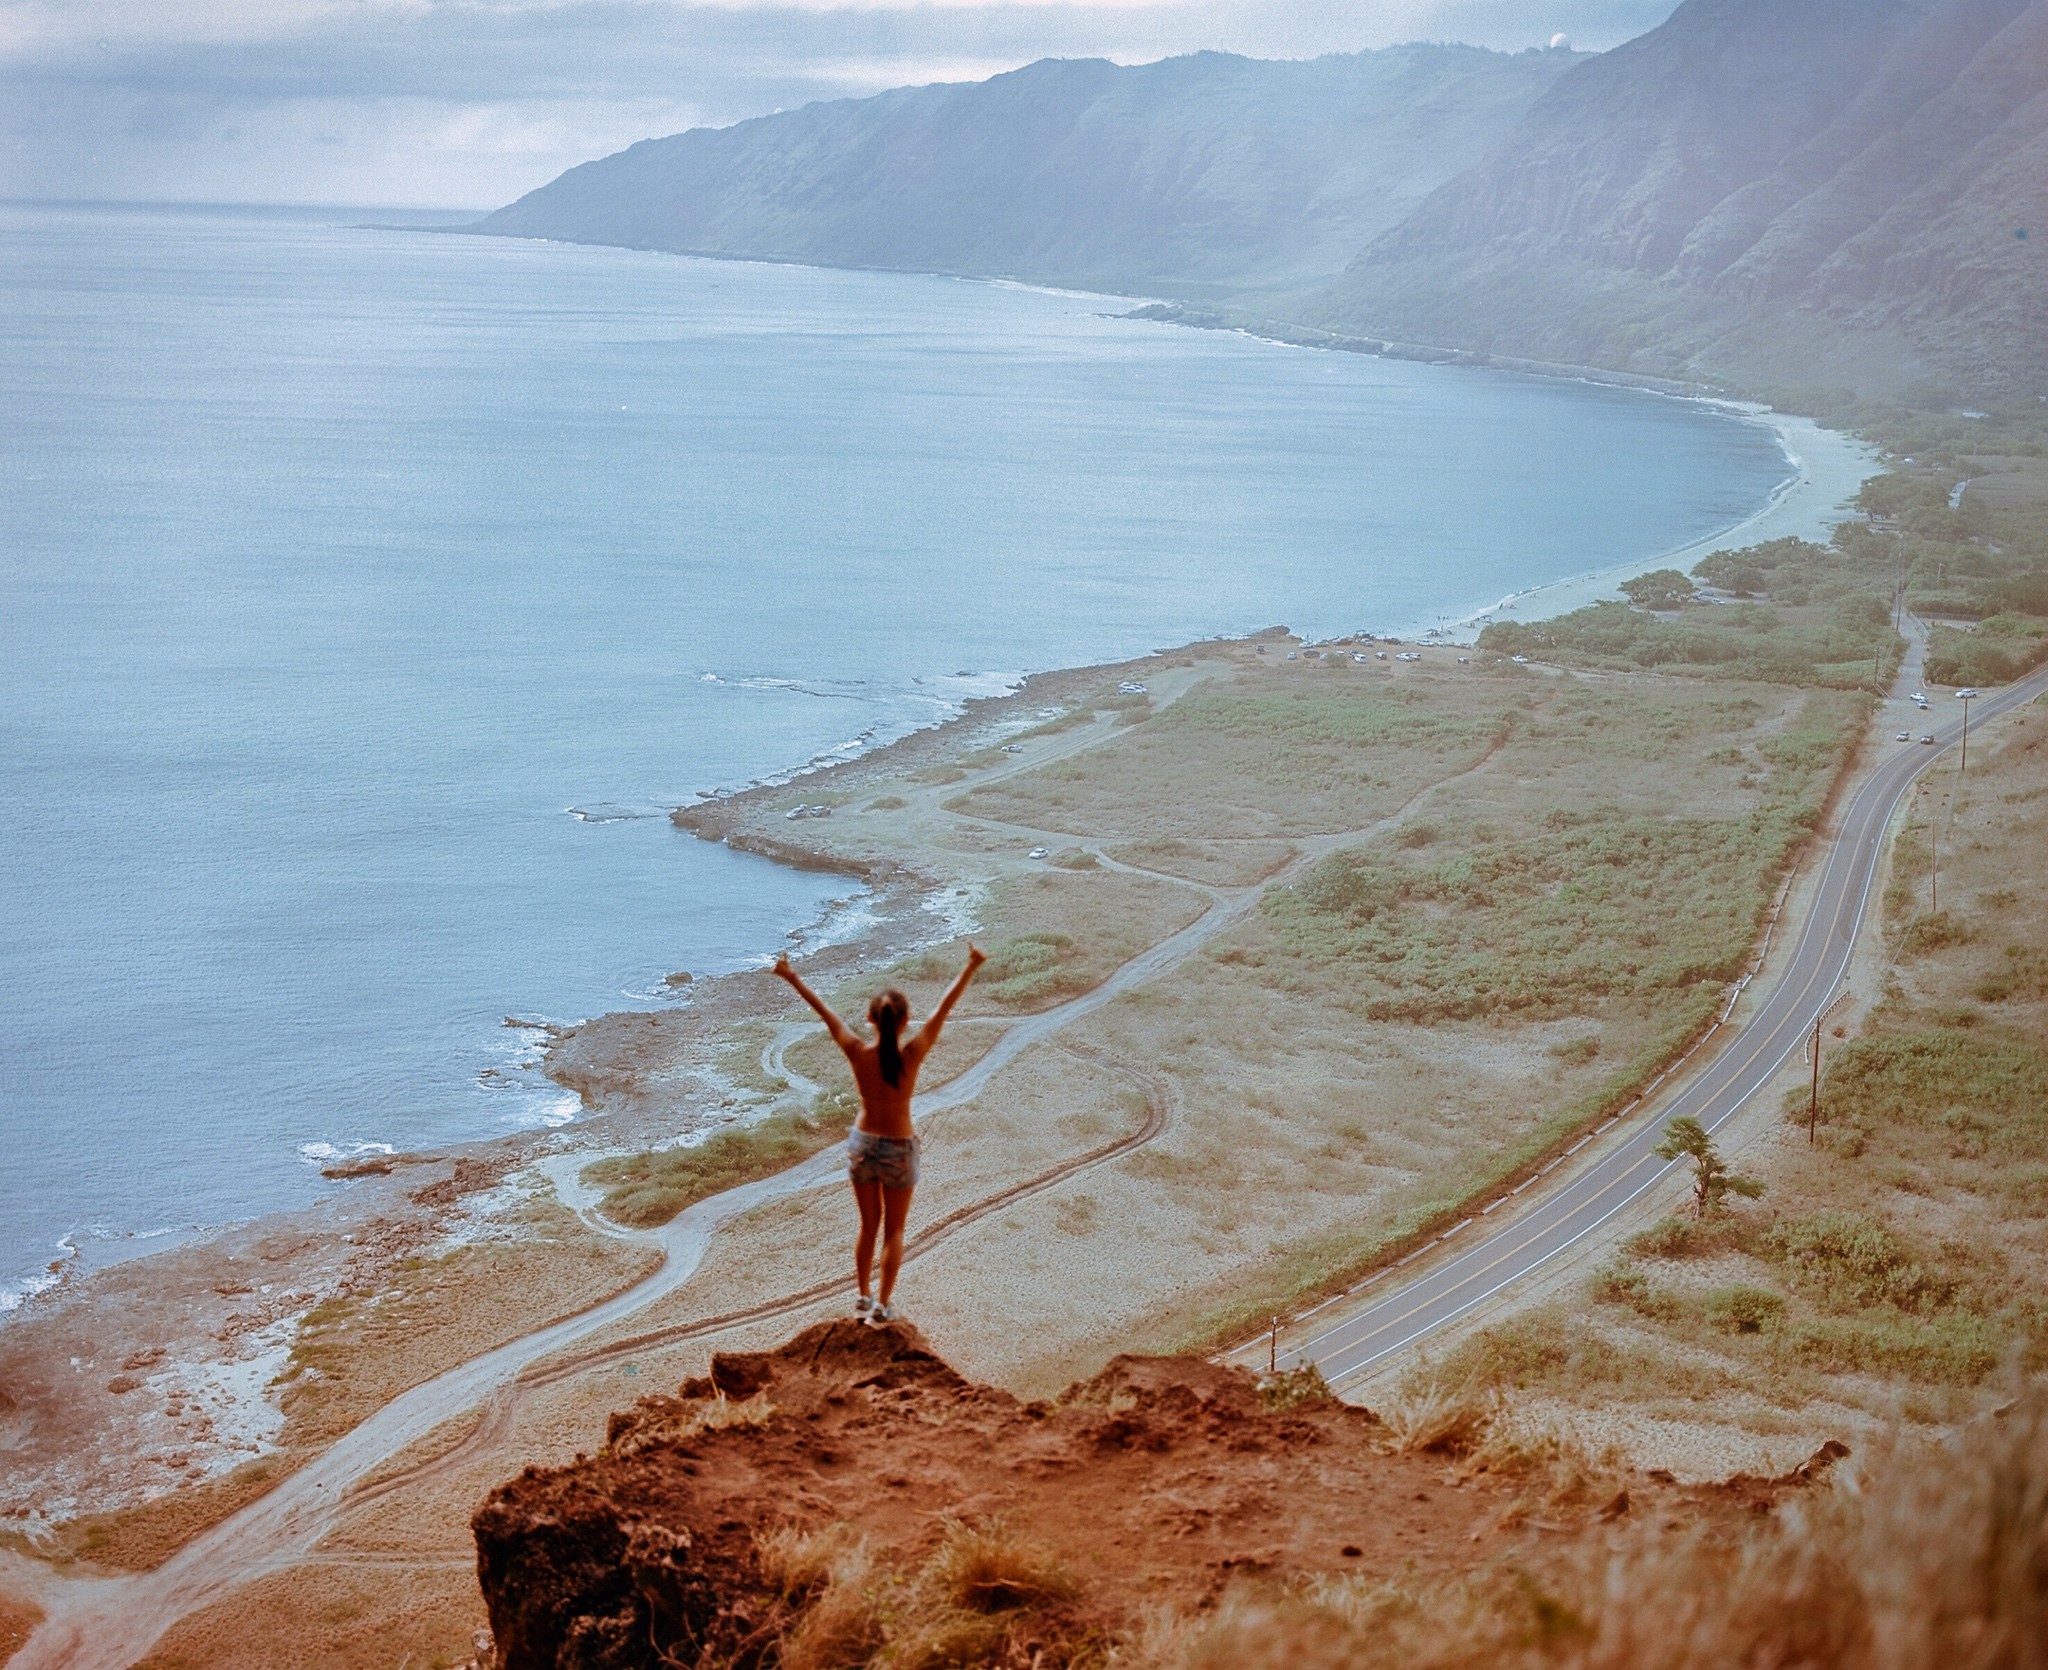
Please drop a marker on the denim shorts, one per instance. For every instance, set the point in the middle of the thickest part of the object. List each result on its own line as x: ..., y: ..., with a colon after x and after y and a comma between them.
x: 889, y: 1161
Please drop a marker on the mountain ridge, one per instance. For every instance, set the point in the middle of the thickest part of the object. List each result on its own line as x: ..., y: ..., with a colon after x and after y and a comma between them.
x: 1202, y: 174
x: 1670, y: 209
x: 1836, y: 196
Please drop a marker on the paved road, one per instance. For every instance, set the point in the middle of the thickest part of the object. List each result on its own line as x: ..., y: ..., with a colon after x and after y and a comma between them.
x: 1810, y: 980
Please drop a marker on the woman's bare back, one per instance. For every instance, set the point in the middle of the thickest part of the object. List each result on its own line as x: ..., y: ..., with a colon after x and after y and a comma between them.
x: 884, y: 1107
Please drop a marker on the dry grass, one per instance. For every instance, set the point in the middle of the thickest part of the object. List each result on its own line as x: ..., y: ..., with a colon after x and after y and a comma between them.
x: 981, y: 1591
x: 1217, y: 863
x: 1936, y: 1560
x: 18, y: 1620
x: 144, y: 1536
x: 1269, y: 754
x: 355, y: 1353
x: 1440, y: 1417
x: 334, y: 1617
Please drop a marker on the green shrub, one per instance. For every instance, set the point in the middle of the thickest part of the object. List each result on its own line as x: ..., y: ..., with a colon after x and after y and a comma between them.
x: 1621, y: 1283
x: 1692, y: 1237
x: 2001, y: 649
x: 2025, y: 976
x: 1617, y: 905
x: 1033, y: 968
x: 1846, y: 1262
x: 643, y: 1190
x: 1954, y: 1348
x: 1742, y: 1309
x: 1985, y: 1088
x: 1661, y: 588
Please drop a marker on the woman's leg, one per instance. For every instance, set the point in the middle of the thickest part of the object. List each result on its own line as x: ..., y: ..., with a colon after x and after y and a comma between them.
x: 867, y: 1195
x: 895, y: 1209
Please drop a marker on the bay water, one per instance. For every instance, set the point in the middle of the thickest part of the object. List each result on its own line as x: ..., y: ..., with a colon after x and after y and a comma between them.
x: 371, y: 595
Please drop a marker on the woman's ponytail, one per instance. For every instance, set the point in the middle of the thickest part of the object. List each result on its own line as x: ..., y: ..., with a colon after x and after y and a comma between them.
x: 889, y: 1010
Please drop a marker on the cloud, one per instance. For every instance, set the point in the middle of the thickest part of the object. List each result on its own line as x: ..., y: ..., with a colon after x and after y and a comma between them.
x: 471, y: 102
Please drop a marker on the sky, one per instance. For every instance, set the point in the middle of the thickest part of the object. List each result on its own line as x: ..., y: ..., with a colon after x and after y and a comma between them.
x: 469, y: 103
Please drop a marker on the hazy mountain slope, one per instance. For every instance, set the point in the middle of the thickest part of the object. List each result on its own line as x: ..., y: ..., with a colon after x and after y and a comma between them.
x: 1189, y: 174
x: 1826, y: 191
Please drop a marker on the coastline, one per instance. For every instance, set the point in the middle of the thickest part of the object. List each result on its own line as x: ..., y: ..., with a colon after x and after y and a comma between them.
x: 1829, y: 466
x: 389, y: 1212
x: 891, y: 912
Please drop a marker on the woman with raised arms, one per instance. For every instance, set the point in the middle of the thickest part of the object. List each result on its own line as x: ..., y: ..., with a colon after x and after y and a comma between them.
x: 881, y: 1149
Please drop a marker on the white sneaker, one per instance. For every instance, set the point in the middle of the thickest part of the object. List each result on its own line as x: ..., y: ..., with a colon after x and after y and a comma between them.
x: 880, y: 1314
x: 863, y: 1306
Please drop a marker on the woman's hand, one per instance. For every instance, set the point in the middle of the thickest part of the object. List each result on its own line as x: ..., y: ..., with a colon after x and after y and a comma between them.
x: 782, y: 969
x: 975, y: 956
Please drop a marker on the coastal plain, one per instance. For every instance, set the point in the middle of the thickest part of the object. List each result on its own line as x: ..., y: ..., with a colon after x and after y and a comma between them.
x: 1297, y: 950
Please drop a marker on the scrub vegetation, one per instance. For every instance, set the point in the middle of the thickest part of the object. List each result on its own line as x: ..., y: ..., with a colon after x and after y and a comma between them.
x: 643, y: 1190
x: 1956, y: 531
x: 1329, y: 749
x: 1899, y: 1262
x: 1828, y: 623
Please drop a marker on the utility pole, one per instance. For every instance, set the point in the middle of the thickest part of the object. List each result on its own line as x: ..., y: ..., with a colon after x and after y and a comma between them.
x: 1813, y: 1100
x: 1273, y: 1350
x: 1934, y: 877
x: 1965, y: 765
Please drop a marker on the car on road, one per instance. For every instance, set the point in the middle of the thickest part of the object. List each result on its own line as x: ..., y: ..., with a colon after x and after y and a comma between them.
x: 1039, y: 852
x: 1905, y: 736
x: 1966, y: 693
x: 1927, y: 737
x: 1013, y: 747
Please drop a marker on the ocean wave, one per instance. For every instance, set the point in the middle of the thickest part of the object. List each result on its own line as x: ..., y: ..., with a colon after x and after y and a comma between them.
x: 930, y: 701
x: 839, y: 923
x: 16, y: 1291
x: 610, y: 812
x: 326, y: 1153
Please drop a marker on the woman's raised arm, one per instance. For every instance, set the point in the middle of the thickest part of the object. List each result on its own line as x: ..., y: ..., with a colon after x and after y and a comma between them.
x: 842, y: 1034
x: 928, y: 1034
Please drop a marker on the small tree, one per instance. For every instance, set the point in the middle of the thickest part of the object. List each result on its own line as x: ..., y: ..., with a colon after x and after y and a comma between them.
x: 1661, y: 588
x: 1712, y: 1181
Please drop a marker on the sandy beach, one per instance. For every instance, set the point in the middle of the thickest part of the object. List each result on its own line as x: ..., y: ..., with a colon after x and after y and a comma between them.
x: 1828, y: 467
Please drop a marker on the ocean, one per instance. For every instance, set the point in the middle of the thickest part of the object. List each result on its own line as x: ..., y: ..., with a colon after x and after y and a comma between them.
x: 371, y: 595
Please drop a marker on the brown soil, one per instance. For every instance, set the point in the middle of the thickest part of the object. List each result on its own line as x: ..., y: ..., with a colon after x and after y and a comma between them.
x: 17, y: 1619
x: 1161, y: 1481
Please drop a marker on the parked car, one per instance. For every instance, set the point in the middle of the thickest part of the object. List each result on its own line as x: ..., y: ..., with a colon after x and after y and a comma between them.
x: 1039, y: 852
x: 1905, y: 736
